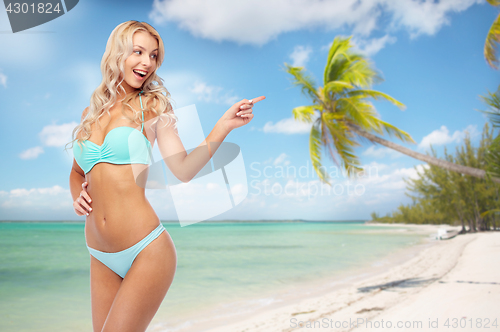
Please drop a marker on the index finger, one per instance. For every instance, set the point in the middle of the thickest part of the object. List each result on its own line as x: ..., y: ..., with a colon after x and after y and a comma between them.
x: 255, y: 100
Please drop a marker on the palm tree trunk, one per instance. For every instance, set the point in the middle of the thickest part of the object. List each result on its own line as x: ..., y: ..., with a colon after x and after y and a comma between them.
x: 476, y: 172
x: 459, y: 212
x: 463, y: 231
x: 479, y: 220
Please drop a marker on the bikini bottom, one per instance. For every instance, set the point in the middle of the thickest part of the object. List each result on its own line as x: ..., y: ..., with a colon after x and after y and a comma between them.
x: 121, y: 261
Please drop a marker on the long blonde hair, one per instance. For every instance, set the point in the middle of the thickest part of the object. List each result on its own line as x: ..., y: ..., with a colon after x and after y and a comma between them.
x: 118, y: 48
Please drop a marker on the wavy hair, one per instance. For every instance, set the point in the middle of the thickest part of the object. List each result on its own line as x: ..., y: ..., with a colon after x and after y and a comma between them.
x: 118, y: 48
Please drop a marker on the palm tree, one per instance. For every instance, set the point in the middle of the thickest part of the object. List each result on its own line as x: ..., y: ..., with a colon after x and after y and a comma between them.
x: 341, y: 113
x: 492, y: 156
x: 493, y: 99
x: 492, y: 39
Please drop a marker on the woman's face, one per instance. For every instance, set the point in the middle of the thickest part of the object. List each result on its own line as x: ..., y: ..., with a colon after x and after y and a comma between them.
x: 141, y: 63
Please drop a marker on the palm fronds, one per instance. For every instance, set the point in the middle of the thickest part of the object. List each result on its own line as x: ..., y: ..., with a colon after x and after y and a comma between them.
x: 493, y: 39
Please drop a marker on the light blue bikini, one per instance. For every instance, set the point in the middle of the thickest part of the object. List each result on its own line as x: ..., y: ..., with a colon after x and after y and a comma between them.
x: 122, y: 145
x: 121, y: 261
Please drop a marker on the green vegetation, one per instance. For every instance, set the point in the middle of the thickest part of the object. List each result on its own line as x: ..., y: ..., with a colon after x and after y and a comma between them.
x: 342, y: 115
x: 492, y: 39
x: 341, y: 106
x: 493, y: 99
x: 443, y: 197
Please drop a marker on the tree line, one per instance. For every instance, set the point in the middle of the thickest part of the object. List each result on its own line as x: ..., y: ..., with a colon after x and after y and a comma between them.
x: 461, y: 187
x: 440, y: 196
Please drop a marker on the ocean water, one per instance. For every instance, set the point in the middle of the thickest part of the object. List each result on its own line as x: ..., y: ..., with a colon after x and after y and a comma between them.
x: 45, y: 268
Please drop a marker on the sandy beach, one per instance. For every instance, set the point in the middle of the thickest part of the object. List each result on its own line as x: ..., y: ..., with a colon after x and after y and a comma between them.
x: 450, y: 285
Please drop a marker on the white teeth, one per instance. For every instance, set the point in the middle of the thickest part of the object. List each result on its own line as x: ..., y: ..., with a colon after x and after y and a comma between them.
x: 143, y: 73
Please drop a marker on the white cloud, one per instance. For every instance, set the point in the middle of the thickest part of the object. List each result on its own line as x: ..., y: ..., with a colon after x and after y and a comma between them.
x: 381, y: 152
x: 259, y: 21
x: 31, y: 153
x: 281, y: 159
x: 380, y: 177
x: 51, y: 135
x: 22, y: 192
x: 441, y: 136
x: 204, y: 91
x: 287, y: 126
x: 57, y: 135
x: 299, y: 189
x: 3, y: 79
x: 374, y: 167
x: 372, y: 46
x: 424, y: 17
x: 212, y: 94
x: 412, y: 173
x: 300, y: 55
x: 54, y: 198
x: 295, y: 192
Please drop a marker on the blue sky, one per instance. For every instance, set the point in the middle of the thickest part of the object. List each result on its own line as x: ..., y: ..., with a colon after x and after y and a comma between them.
x: 218, y: 52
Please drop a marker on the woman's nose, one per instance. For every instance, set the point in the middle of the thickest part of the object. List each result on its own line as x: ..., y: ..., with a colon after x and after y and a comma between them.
x: 146, y: 60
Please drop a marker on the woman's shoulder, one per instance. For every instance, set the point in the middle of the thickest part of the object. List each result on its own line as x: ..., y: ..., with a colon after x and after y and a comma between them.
x: 84, y: 113
x: 148, y: 103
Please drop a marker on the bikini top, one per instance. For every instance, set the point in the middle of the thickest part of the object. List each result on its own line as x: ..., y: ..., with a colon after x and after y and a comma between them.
x: 122, y: 145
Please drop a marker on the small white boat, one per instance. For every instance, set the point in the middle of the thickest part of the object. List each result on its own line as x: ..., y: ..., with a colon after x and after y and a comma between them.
x: 445, y: 234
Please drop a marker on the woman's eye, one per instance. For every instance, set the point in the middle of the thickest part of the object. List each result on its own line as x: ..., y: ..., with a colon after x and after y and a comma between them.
x: 138, y: 52
x: 154, y: 56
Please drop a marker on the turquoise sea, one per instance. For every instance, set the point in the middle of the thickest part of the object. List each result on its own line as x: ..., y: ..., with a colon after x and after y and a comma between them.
x: 228, y: 268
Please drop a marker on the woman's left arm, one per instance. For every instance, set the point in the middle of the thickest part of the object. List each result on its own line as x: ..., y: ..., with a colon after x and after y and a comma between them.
x: 185, y: 166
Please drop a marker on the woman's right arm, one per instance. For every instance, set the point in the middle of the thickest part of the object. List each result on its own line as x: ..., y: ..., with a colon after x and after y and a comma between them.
x: 185, y: 166
x: 77, y: 187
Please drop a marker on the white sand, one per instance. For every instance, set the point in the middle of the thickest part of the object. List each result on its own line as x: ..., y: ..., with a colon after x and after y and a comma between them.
x: 455, y: 279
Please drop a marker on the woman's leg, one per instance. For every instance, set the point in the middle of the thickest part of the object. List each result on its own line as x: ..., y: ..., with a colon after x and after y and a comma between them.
x: 144, y: 287
x: 104, y: 284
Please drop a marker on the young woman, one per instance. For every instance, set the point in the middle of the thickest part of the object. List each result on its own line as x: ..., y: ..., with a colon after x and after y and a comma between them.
x: 132, y: 256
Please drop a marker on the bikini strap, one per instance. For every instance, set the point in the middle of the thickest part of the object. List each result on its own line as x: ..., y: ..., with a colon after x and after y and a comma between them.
x: 140, y: 99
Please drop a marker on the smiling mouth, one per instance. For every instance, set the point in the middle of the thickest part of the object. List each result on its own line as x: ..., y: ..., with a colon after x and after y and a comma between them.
x: 141, y: 73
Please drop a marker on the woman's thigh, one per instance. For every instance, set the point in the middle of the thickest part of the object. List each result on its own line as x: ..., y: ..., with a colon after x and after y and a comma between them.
x: 104, y: 284
x: 144, y: 287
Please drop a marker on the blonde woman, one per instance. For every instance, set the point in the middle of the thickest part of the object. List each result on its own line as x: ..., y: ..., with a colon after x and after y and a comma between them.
x: 132, y: 256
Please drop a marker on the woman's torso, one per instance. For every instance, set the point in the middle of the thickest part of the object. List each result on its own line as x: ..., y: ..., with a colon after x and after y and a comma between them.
x: 121, y: 215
